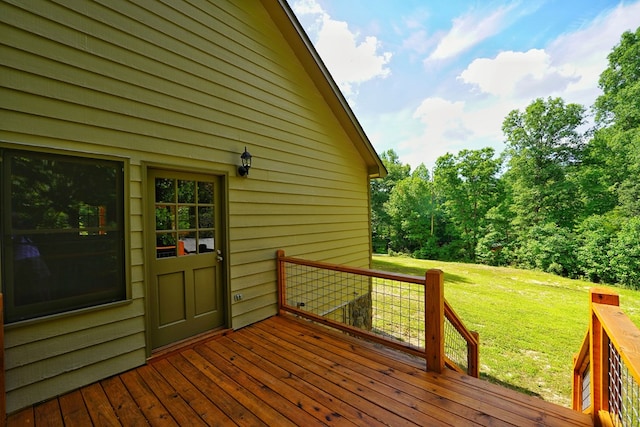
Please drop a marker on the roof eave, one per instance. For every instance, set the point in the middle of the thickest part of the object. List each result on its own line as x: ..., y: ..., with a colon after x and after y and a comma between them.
x: 291, y: 28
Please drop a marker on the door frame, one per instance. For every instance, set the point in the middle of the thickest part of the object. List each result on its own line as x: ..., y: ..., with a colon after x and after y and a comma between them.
x: 147, y: 234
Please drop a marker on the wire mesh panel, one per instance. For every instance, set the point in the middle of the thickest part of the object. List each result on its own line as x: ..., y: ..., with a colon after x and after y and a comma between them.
x: 398, y: 311
x: 385, y: 307
x: 393, y: 309
x: 455, y: 346
x: 586, y: 389
x: 340, y: 296
x: 624, y: 392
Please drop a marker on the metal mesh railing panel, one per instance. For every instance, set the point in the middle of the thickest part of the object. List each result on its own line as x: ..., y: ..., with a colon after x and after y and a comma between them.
x: 393, y: 309
x: 398, y: 311
x: 326, y: 293
x: 455, y: 346
x: 624, y: 392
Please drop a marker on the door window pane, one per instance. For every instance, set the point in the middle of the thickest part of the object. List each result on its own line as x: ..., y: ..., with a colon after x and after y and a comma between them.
x: 165, y: 217
x: 165, y: 190
x: 186, y: 217
x: 205, y: 217
x: 186, y: 192
x: 166, y: 245
x: 191, y: 215
x: 187, y: 243
x: 206, y: 242
x: 205, y: 192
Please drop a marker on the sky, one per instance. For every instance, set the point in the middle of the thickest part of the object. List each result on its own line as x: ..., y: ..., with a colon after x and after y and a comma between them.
x: 427, y: 77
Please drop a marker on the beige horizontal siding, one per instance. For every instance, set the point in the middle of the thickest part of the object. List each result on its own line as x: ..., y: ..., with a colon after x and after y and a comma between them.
x: 186, y: 85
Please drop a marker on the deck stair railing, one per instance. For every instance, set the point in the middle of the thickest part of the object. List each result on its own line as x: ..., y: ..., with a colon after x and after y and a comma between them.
x: 606, y: 371
x: 408, y: 313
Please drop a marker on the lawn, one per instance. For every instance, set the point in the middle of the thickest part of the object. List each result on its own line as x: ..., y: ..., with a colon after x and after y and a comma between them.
x: 530, y: 323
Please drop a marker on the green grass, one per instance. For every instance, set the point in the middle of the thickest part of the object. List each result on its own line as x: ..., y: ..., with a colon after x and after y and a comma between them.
x: 530, y: 323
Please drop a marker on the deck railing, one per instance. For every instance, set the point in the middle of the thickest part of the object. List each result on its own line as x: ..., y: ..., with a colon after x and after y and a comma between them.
x: 606, y: 371
x: 408, y: 313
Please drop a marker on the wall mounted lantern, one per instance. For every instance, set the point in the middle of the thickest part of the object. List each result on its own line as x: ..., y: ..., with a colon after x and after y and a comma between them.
x: 246, y: 163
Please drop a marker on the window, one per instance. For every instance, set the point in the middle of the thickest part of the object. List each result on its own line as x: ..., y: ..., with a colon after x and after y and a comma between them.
x: 184, y: 215
x: 63, y: 233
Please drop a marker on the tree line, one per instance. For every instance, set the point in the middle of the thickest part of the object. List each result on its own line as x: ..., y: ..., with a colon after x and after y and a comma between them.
x: 557, y: 199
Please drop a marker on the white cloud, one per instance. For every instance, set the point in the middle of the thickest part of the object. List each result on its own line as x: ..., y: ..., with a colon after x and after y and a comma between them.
x: 469, y: 30
x: 307, y: 7
x: 443, y: 117
x: 568, y: 67
x: 417, y: 41
x: 525, y: 75
x: 584, y: 52
x: 448, y: 126
x: 351, y: 59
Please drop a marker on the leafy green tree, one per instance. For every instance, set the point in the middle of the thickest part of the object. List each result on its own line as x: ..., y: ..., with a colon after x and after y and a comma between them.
x: 381, y: 190
x: 496, y: 243
x: 468, y: 184
x: 549, y: 248
x: 596, y: 178
x: 543, y: 144
x: 409, y: 209
x: 618, y: 119
x: 619, y: 105
x: 624, y: 254
x: 594, y: 236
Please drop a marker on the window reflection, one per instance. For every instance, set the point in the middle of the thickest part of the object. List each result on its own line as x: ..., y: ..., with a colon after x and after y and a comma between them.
x: 190, y: 217
x: 65, y: 242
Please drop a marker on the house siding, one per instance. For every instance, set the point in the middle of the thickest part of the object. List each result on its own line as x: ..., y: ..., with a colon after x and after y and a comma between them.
x: 185, y: 85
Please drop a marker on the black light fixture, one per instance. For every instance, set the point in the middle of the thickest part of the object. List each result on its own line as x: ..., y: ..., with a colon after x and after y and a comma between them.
x: 246, y: 163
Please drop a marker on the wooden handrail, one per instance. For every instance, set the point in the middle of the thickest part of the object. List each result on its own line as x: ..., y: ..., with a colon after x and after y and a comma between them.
x: 624, y: 335
x: 347, y: 269
x: 436, y: 310
x: 472, y: 338
x: 609, y: 326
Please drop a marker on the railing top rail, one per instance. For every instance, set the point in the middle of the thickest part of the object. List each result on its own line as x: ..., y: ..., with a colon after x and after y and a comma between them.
x: 623, y: 333
x: 457, y: 323
x: 355, y: 270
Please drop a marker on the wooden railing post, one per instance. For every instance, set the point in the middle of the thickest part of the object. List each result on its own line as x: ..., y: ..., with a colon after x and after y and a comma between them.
x: 434, y: 320
x: 599, y: 351
x: 472, y: 357
x: 281, y: 273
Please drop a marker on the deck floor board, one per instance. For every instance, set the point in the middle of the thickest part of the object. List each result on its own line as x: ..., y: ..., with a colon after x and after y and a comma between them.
x: 285, y: 371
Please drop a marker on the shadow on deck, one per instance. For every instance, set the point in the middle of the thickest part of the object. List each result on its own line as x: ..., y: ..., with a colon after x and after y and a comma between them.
x: 284, y: 371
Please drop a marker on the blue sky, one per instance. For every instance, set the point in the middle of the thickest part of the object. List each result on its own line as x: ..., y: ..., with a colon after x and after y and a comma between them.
x: 430, y: 77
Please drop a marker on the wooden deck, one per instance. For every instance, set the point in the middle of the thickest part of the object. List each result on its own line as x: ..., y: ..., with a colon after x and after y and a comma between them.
x: 286, y: 372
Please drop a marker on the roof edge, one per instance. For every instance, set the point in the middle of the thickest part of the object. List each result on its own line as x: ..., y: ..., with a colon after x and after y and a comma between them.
x: 288, y: 23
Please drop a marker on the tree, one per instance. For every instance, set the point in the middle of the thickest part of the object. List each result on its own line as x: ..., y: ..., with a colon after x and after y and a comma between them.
x: 619, y: 105
x: 409, y: 209
x: 543, y: 145
x: 549, y: 248
x: 594, y: 240
x: 381, y: 190
x: 468, y: 184
x: 624, y: 254
x: 618, y: 120
x: 497, y: 243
